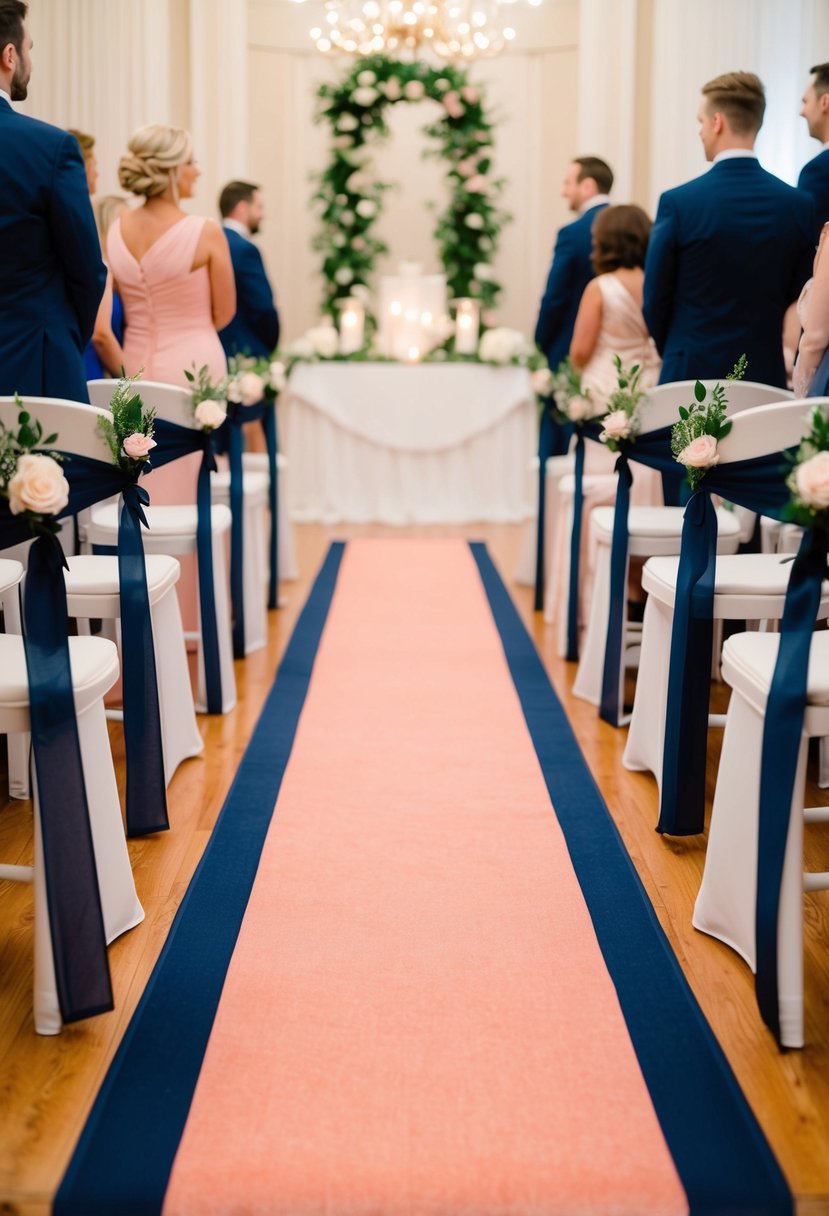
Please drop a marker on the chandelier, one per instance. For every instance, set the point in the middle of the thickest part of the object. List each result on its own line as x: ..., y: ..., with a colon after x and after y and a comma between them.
x: 454, y: 29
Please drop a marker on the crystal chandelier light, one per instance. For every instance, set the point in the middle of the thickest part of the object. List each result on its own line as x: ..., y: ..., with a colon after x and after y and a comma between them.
x: 454, y: 29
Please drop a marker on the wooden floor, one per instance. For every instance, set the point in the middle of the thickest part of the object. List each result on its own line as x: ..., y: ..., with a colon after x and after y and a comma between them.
x: 47, y: 1085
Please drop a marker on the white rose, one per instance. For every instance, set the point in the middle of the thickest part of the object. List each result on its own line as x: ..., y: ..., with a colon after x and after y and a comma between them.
x: 414, y: 90
x: 366, y: 78
x: 343, y: 141
x: 276, y: 375
x: 343, y: 275
x: 210, y: 414
x: 392, y: 89
x: 347, y: 218
x: 366, y: 208
x: 617, y: 425
x: 441, y: 85
x: 360, y: 292
x: 812, y: 480
x: 579, y: 408
x: 701, y: 453
x: 473, y: 220
x: 500, y: 345
x: 482, y: 272
x: 347, y: 122
x: 301, y: 348
x: 324, y: 339
x: 338, y: 240
x: 251, y: 388
x: 38, y: 485
x: 364, y: 96
x: 542, y: 380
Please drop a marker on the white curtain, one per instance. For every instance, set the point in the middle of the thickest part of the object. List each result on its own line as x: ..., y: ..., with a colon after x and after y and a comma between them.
x: 608, y: 31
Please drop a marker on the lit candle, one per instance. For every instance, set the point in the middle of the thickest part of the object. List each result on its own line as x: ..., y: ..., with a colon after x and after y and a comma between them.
x: 413, y: 354
x: 352, y: 324
x: 466, y: 327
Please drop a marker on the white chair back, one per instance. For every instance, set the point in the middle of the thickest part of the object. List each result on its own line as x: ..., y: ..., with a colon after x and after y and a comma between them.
x: 74, y: 422
x: 767, y: 429
x: 662, y: 407
x: 170, y: 402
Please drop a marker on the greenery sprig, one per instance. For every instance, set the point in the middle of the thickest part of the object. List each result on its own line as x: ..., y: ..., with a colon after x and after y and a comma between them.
x: 129, y: 430
x: 622, y: 419
x: 351, y: 201
x: 572, y: 402
x: 701, y: 426
x: 209, y: 400
x: 809, y: 478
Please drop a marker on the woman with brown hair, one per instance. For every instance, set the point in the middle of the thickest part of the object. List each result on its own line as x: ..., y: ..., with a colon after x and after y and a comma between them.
x: 609, y: 320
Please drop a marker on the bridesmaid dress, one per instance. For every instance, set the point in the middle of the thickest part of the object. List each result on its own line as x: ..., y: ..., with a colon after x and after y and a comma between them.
x: 169, y: 328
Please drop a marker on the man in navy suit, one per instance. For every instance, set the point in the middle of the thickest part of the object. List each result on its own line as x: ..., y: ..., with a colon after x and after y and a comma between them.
x: 255, y: 328
x: 814, y: 176
x: 51, y: 274
x: 586, y: 186
x: 729, y: 251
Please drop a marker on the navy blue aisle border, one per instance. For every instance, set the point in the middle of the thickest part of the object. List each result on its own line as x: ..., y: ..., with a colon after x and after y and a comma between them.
x: 125, y: 1154
x: 720, y: 1153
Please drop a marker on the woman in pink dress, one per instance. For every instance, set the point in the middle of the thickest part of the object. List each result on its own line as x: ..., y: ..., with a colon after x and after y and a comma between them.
x: 174, y: 276
x: 609, y: 322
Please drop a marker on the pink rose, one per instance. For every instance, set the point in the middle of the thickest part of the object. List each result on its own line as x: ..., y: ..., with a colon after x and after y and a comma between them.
x: 701, y: 453
x: 542, y: 381
x: 476, y: 184
x: 452, y: 104
x: 138, y: 446
x: 38, y: 485
x: 578, y: 408
x: 812, y: 480
x: 470, y: 94
x: 616, y: 426
x: 467, y: 167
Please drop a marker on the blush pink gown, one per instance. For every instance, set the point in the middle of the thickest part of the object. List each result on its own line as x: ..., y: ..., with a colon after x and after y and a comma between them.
x: 169, y: 328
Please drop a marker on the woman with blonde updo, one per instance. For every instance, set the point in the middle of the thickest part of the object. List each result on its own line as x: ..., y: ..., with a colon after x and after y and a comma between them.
x: 171, y: 270
x: 175, y: 279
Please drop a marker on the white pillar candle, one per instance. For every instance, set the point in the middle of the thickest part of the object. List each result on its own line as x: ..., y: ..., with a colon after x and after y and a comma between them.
x: 466, y: 327
x: 352, y: 326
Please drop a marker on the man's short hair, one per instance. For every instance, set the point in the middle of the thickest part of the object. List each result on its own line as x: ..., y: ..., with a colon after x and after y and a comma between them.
x: 12, y: 15
x: 599, y: 170
x: 821, y: 74
x: 233, y: 194
x: 740, y: 98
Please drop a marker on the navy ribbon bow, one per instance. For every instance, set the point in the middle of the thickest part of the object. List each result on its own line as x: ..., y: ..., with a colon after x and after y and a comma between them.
x: 75, y: 915
x: 173, y: 442
x: 782, y: 729
x: 759, y: 485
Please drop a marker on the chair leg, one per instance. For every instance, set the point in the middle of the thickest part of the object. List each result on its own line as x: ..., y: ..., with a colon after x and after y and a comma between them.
x: 256, y: 615
x: 179, y: 732
x: 222, y: 596
x: 646, y: 735
x: 46, y: 1006
x: 588, y: 681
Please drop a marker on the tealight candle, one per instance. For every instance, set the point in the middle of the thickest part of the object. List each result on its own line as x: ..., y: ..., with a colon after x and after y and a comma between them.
x: 467, y: 321
x: 352, y: 325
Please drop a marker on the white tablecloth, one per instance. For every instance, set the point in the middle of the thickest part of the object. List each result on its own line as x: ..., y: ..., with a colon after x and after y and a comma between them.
x: 399, y: 444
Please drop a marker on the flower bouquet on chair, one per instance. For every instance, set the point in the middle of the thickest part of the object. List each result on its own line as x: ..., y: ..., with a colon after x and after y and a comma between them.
x: 701, y: 426
x: 32, y: 482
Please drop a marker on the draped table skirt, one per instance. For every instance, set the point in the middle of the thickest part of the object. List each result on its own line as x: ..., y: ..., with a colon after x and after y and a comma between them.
x: 400, y: 444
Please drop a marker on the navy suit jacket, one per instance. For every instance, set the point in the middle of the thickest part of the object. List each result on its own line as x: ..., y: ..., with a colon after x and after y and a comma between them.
x: 51, y: 273
x: 728, y: 253
x: 255, y: 328
x: 814, y: 179
x: 570, y: 273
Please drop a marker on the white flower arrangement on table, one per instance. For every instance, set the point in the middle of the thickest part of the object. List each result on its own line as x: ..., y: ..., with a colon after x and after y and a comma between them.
x: 809, y: 478
x: 209, y: 399
x: 32, y: 482
x: 573, y: 402
x: 129, y: 430
x: 622, y: 419
x: 701, y: 426
x: 252, y: 379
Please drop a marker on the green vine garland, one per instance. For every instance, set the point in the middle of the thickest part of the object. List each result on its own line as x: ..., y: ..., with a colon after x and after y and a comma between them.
x: 466, y: 232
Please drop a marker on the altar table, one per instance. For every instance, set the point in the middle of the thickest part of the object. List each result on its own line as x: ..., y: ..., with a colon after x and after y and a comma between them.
x: 409, y: 443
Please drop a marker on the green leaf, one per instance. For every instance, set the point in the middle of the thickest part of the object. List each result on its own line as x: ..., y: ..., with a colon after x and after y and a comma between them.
x: 683, y: 413
x: 724, y: 430
x: 699, y: 391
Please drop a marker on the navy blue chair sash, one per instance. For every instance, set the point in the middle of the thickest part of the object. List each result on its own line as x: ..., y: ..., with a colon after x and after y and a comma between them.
x: 75, y: 914
x: 759, y: 485
x: 146, y: 790
x: 782, y: 729
x: 546, y: 449
x: 652, y: 449
x: 174, y: 442
x: 583, y: 430
x: 272, y: 447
